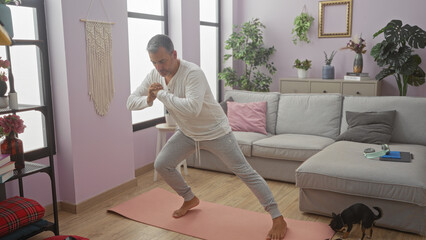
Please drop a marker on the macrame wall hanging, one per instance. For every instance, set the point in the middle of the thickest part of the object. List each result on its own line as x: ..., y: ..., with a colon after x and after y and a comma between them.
x: 99, y: 62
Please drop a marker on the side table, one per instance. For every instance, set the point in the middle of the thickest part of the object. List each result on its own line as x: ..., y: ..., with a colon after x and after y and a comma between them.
x: 163, y: 129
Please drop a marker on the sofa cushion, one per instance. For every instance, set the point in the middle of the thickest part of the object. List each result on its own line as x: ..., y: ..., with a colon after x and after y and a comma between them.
x: 313, y: 114
x: 369, y: 127
x: 296, y: 147
x: 224, y: 104
x: 410, y: 115
x: 342, y: 168
x: 271, y: 107
x: 247, y: 117
x: 245, y: 140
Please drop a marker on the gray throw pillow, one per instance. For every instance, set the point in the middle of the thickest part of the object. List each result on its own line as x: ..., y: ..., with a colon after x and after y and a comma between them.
x: 369, y: 127
x: 224, y: 105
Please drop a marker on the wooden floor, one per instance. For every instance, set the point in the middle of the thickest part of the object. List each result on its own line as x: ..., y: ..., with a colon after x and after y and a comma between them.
x: 226, y: 189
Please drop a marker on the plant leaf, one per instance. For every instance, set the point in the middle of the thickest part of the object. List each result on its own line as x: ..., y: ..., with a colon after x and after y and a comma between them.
x: 384, y: 73
x: 393, y: 30
x: 416, y: 37
x: 417, y: 78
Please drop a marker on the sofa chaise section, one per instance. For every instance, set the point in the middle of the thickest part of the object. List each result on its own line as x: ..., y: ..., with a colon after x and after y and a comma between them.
x: 340, y: 175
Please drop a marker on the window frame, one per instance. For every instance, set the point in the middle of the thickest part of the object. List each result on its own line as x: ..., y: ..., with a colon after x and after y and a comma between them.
x: 219, y: 46
x: 165, y: 18
x: 46, y: 107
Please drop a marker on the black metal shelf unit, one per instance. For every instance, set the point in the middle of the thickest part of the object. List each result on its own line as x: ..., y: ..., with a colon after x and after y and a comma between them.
x: 34, y: 168
x: 49, y: 150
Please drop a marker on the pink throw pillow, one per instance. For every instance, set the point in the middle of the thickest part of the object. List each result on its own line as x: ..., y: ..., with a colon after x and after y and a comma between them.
x: 247, y: 117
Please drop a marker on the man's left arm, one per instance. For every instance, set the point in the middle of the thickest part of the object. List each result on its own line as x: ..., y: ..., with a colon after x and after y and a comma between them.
x: 195, y: 88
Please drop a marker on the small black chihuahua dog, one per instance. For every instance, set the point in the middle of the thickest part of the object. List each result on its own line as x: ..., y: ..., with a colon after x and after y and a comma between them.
x: 357, y: 213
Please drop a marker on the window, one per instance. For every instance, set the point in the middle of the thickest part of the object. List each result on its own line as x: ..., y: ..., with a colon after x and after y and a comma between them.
x: 209, y: 42
x: 146, y: 18
x: 30, y: 68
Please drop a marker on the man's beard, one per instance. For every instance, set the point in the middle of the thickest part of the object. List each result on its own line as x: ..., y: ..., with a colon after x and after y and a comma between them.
x: 164, y: 73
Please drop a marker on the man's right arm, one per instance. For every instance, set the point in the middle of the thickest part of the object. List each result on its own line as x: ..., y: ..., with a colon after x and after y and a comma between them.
x: 139, y: 98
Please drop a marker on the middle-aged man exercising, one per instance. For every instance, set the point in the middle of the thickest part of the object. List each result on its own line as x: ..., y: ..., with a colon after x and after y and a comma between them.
x: 202, y: 124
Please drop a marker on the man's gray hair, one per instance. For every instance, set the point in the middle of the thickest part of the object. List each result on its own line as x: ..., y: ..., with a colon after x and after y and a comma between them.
x: 158, y: 41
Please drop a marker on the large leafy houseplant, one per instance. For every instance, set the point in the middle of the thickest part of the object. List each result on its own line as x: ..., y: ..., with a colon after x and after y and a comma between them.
x: 247, y: 45
x: 396, y: 55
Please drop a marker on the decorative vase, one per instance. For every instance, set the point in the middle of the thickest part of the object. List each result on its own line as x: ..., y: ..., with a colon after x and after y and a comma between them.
x: 302, y: 73
x: 327, y: 72
x: 358, y: 63
x: 13, y: 100
x: 13, y: 145
x: 6, y: 19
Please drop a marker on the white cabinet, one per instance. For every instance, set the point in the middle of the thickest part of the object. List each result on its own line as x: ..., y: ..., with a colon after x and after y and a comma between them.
x: 345, y: 87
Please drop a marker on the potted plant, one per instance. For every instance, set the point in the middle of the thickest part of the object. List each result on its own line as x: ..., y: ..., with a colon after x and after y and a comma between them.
x: 328, y: 70
x: 6, y: 16
x: 302, y: 67
x: 302, y: 24
x: 396, y: 54
x: 247, y: 46
x: 4, y: 64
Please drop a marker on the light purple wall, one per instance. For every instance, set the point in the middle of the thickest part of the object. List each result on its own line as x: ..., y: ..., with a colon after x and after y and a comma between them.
x: 368, y: 17
x: 184, y: 29
x: 102, y: 147
x: 145, y: 144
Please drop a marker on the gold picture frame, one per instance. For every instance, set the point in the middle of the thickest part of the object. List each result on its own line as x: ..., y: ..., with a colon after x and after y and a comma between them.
x: 334, y: 12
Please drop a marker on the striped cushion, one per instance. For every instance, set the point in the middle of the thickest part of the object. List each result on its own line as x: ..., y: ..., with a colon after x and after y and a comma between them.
x: 17, y: 212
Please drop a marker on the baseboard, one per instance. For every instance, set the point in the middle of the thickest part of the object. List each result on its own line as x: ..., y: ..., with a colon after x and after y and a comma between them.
x: 147, y: 168
x: 73, y: 208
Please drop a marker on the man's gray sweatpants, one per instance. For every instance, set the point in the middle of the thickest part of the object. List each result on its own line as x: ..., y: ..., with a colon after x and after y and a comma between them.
x: 179, y: 147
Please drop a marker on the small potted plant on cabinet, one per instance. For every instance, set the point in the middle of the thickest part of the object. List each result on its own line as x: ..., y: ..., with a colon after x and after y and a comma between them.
x: 328, y: 70
x: 302, y: 67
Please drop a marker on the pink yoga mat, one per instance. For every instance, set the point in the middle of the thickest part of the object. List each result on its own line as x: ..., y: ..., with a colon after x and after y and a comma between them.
x: 212, y: 221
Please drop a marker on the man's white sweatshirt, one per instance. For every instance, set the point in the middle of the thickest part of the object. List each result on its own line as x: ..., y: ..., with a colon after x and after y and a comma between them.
x: 188, y: 99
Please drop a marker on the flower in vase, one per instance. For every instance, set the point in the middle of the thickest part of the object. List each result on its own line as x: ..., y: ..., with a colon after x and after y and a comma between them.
x: 356, y: 44
x: 4, y: 64
x: 11, y: 123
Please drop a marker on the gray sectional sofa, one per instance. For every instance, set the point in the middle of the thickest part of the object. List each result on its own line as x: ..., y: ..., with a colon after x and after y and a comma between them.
x: 301, y: 147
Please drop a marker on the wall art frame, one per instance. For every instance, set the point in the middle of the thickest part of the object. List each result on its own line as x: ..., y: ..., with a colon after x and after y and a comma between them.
x: 332, y: 12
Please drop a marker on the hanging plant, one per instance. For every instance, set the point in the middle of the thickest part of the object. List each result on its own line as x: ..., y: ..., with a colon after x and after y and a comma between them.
x: 302, y: 23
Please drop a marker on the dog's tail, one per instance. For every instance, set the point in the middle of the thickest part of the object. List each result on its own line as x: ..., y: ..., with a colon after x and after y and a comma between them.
x: 380, y: 213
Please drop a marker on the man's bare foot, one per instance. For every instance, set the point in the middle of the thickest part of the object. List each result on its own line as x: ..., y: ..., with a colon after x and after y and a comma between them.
x: 278, y: 230
x: 186, y: 206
